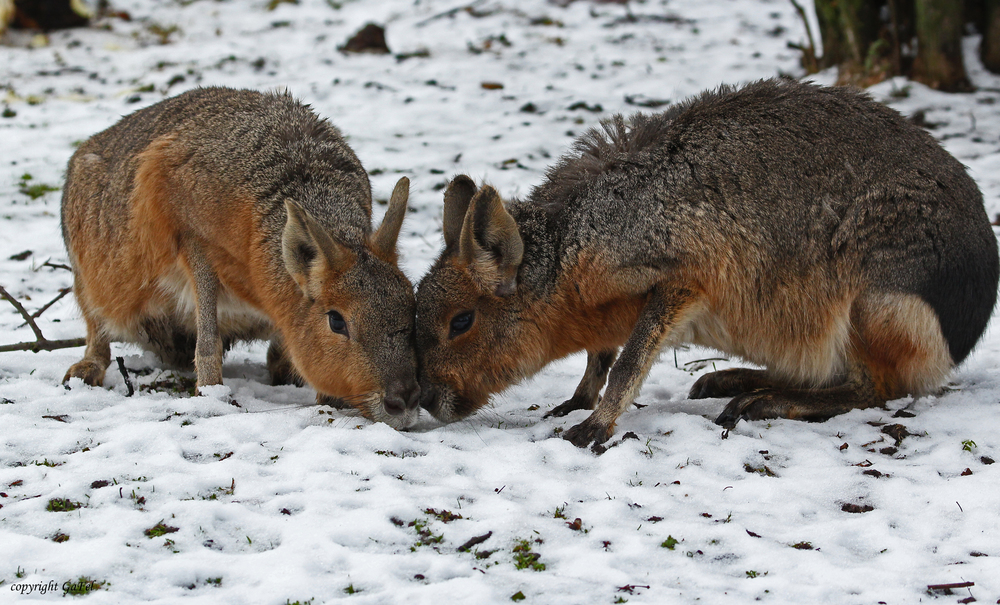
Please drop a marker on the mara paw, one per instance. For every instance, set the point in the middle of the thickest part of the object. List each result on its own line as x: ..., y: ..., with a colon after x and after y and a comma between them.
x: 88, y: 370
x: 588, y: 432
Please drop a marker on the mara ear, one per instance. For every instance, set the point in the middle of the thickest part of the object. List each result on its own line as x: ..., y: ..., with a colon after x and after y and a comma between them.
x: 384, y: 239
x: 491, y: 243
x: 456, y: 203
x: 307, y: 249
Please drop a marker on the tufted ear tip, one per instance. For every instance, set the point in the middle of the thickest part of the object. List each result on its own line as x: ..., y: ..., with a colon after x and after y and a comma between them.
x: 490, y: 241
x: 456, y: 204
x: 385, y: 238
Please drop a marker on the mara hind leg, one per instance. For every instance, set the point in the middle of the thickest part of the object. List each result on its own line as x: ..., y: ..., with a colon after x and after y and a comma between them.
x: 279, y: 365
x: 588, y: 392
x: 733, y: 382
x: 897, y: 348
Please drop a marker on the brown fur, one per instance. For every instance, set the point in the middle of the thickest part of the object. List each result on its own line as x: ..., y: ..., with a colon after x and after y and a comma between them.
x: 808, y: 230
x: 185, y: 246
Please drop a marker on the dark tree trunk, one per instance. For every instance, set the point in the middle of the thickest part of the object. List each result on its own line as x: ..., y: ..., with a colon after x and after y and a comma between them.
x: 939, y: 61
x: 871, y: 40
x: 855, y: 40
x: 829, y: 32
x: 989, y: 50
x: 47, y: 14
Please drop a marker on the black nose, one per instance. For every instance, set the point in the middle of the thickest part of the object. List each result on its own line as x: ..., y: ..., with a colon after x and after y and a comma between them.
x: 400, y: 398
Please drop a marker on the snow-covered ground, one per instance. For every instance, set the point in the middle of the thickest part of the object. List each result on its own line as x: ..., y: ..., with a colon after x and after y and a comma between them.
x: 282, y: 502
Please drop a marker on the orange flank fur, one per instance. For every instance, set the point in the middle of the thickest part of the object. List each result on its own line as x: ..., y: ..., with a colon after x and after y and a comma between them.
x: 575, y: 322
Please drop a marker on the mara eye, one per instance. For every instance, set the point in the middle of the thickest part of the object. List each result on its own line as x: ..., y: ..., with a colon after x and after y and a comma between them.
x: 461, y: 323
x: 337, y: 323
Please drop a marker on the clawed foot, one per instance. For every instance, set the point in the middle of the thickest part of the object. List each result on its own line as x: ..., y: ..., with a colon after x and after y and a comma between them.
x: 570, y: 405
x: 757, y: 405
x: 729, y: 383
x: 92, y: 372
x: 706, y: 387
x: 588, y: 432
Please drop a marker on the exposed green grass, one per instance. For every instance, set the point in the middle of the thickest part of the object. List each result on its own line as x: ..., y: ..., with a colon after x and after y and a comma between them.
x: 444, y: 516
x: 160, y: 529
x: 62, y: 505
x: 524, y: 558
x: 760, y: 470
x: 425, y: 536
x: 34, y: 191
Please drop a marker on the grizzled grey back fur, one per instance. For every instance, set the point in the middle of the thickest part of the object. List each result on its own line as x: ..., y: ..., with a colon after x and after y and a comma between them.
x: 237, y: 130
x: 799, y: 171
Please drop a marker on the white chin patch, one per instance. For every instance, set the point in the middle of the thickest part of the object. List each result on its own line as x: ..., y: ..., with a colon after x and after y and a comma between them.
x: 445, y: 411
x: 400, y: 422
x: 403, y: 421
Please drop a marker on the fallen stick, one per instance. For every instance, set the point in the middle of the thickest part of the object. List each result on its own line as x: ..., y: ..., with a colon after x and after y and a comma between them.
x: 448, y: 13
x: 41, y: 343
x: 57, y: 265
x: 474, y: 541
x: 124, y: 373
x: 38, y: 313
x: 950, y: 586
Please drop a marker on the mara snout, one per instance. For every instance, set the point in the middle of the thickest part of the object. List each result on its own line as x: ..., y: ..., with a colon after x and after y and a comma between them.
x: 808, y: 230
x: 222, y: 215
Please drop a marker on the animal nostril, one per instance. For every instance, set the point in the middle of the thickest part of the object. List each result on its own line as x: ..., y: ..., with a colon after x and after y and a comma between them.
x: 394, y: 405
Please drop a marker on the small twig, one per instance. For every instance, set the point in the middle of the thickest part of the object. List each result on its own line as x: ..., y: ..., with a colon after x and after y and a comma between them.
x: 57, y: 265
x: 124, y: 373
x: 950, y: 586
x: 38, y: 313
x: 474, y: 541
x: 20, y: 309
x: 808, y: 53
x: 44, y: 345
x: 707, y: 359
x: 448, y: 13
x: 41, y: 343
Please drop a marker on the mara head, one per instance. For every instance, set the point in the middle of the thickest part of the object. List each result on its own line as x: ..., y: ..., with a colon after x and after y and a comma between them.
x: 351, y: 336
x: 470, y: 336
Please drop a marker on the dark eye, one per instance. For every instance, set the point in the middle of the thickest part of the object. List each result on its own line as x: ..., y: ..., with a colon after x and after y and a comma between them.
x: 337, y: 323
x: 461, y: 323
